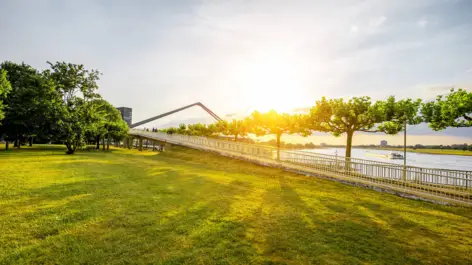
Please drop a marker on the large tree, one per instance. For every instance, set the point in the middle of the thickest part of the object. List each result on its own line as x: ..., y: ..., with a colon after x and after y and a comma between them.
x: 31, y: 104
x: 398, y: 114
x: 234, y: 128
x: 454, y: 110
x: 77, y: 86
x: 105, y: 123
x: 238, y: 128
x: 278, y: 124
x: 5, y: 87
x: 337, y: 116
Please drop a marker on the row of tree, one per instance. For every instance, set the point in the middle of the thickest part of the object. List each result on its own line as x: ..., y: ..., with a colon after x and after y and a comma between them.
x: 339, y: 116
x: 59, y: 104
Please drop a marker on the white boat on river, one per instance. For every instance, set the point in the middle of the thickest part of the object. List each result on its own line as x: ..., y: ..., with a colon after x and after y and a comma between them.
x: 395, y: 156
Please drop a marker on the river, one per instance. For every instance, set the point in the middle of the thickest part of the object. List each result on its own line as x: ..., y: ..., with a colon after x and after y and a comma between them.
x: 413, y: 159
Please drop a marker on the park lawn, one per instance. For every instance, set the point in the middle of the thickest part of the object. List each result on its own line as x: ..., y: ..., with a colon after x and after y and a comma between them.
x: 190, y: 207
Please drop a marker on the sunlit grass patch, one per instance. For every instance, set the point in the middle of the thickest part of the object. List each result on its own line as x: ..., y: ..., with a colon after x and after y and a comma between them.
x: 192, y: 207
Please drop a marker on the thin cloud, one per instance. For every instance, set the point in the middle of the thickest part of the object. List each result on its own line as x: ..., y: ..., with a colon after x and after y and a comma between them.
x: 354, y: 28
x: 422, y: 23
x: 377, y: 22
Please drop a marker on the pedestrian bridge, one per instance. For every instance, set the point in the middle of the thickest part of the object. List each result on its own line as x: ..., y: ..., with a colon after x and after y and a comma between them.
x: 447, y: 186
x: 134, y: 125
x: 443, y: 185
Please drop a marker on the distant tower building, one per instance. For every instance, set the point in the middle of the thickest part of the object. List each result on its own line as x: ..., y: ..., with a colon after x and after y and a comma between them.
x: 323, y: 145
x: 126, y: 114
x: 383, y: 143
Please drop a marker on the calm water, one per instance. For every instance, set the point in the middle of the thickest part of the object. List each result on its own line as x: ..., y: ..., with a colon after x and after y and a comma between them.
x: 413, y: 159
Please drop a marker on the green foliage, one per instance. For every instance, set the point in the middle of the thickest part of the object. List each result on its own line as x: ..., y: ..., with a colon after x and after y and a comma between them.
x: 337, y: 116
x: 77, y: 86
x: 238, y: 128
x: 32, y: 103
x: 397, y: 113
x: 235, y: 128
x: 105, y: 121
x: 5, y: 88
x: 278, y: 124
x: 182, y: 129
x: 199, y: 129
x: 222, y: 127
x: 455, y: 110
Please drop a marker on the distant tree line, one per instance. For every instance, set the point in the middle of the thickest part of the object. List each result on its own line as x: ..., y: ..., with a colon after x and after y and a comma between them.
x: 340, y: 116
x: 59, y: 104
x: 464, y: 147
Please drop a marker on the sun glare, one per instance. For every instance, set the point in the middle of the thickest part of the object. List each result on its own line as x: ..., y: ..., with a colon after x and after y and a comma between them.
x: 271, y: 82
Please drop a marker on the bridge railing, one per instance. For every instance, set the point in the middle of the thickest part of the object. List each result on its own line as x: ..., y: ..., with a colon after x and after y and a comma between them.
x: 454, y: 186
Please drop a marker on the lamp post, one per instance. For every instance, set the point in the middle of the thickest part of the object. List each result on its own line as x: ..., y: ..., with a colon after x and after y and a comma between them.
x: 404, y: 151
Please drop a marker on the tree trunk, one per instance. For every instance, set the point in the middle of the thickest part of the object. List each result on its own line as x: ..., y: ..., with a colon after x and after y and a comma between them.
x: 6, y: 144
x: 349, y: 144
x: 31, y: 141
x: 108, y: 142
x: 17, y: 142
x: 103, y: 143
x: 278, y: 145
x: 97, y: 142
x: 70, y: 150
x: 348, y: 149
x: 236, y: 137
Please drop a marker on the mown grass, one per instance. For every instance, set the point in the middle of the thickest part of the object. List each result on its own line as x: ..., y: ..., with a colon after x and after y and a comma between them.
x: 191, y: 207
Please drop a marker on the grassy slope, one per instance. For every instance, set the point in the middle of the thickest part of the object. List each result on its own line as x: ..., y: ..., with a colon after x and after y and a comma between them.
x: 189, y: 207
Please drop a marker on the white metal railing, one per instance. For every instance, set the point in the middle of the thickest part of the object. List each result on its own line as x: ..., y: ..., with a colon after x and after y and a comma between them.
x: 439, y: 184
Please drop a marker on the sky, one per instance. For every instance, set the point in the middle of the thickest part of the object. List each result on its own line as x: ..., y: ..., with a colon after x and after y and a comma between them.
x: 237, y: 56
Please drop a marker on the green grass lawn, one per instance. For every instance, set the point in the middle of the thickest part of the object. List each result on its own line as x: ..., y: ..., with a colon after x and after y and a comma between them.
x: 191, y: 207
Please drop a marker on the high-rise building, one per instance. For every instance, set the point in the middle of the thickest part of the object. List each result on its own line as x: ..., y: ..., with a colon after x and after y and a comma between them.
x: 383, y: 143
x: 126, y: 114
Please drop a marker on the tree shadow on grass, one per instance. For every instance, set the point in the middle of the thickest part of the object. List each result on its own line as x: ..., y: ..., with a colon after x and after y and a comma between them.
x: 161, y: 211
x: 165, y: 221
x: 211, y: 161
x: 333, y: 233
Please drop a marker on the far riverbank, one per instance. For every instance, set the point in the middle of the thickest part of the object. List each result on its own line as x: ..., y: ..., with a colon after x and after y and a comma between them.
x: 424, y: 151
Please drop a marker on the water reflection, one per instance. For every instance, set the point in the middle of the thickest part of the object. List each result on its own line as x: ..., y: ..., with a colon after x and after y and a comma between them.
x: 413, y: 159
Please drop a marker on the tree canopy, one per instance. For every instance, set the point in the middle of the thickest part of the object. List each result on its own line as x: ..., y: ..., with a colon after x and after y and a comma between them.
x: 30, y: 105
x: 77, y: 86
x: 338, y: 116
x: 106, y: 122
x: 454, y: 110
x: 5, y: 88
x: 278, y: 124
x: 397, y: 113
x: 60, y: 104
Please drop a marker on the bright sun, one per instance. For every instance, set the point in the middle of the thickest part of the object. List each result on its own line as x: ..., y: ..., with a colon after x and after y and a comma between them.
x: 271, y: 82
